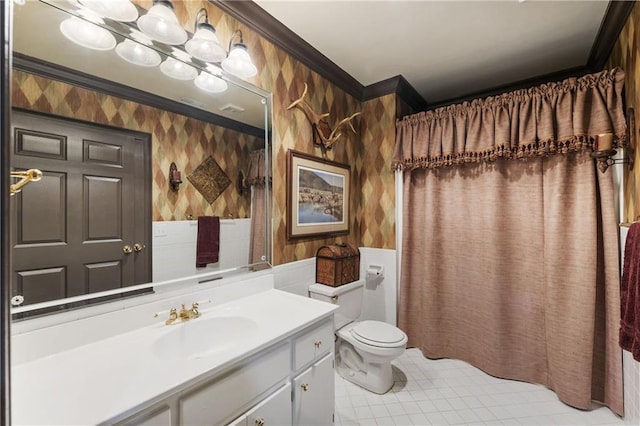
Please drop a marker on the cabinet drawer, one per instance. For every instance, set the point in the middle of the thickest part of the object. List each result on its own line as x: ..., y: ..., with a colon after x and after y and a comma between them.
x: 313, y: 344
x: 221, y: 399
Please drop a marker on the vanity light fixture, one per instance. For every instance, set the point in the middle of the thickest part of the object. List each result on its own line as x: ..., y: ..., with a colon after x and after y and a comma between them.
x: 87, y: 34
x: 205, y: 44
x: 177, y: 69
x: 118, y: 10
x: 138, y: 54
x: 238, y: 62
x: 161, y: 24
x: 210, y: 83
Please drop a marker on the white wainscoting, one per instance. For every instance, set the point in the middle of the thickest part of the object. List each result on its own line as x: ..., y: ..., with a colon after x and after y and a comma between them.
x: 174, y: 247
x: 380, y: 292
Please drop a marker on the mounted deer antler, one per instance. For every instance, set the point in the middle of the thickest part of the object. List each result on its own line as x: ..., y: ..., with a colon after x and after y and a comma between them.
x: 322, y: 133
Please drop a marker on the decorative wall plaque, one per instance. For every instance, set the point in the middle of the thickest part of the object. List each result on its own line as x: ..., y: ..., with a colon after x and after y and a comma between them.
x: 209, y: 179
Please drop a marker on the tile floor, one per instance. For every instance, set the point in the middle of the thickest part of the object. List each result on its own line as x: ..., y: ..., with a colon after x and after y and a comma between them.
x: 450, y: 392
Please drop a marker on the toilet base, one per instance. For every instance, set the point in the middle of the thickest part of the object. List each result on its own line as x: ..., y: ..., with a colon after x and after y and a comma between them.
x: 377, y: 378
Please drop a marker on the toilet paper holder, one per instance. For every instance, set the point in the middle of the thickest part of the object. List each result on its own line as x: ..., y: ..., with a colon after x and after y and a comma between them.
x: 375, y: 271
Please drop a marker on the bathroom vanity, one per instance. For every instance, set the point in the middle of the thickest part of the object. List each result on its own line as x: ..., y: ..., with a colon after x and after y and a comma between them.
x: 262, y: 359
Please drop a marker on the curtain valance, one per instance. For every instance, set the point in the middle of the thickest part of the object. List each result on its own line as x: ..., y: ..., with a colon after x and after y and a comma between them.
x: 543, y: 120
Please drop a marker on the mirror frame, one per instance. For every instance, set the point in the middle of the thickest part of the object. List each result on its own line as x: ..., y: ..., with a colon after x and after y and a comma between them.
x: 6, y: 13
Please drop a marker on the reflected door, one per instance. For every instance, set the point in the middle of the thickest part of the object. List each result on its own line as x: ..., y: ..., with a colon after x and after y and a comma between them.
x: 75, y: 231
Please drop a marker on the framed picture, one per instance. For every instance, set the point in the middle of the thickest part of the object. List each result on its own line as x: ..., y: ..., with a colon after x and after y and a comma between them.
x: 317, y: 196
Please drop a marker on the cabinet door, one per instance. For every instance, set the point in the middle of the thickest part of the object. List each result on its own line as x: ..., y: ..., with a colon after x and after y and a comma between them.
x: 313, y: 395
x: 273, y: 411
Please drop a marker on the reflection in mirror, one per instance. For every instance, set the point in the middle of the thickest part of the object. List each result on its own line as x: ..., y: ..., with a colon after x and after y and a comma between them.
x: 107, y: 217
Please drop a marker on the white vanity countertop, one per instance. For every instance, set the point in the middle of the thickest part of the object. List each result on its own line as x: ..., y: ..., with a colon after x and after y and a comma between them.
x: 97, y: 382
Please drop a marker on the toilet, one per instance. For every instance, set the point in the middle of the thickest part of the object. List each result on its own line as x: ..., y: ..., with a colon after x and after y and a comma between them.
x: 364, y: 349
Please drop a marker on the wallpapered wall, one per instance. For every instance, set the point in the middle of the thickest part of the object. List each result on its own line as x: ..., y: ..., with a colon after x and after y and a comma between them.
x: 368, y: 153
x: 372, y: 223
x: 174, y: 137
x: 376, y: 213
x: 624, y: 55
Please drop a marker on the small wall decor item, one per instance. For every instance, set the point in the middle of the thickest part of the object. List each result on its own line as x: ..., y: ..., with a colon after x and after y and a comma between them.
x: 209, y: 179
x: 317, y: 196
x: 323, y: 135
x: 604, y: 150
x: 175, y: 177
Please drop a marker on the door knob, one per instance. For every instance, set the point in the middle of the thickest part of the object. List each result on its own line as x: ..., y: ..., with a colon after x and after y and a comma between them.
x: 138, y: 247
x: 127, y: 249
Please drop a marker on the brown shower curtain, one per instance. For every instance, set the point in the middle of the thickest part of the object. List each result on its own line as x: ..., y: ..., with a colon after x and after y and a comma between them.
x: 256, y: 178
x: 512, y: 266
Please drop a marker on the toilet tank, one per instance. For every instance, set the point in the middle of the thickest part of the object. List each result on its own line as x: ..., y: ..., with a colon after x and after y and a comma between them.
x: 348, y: 297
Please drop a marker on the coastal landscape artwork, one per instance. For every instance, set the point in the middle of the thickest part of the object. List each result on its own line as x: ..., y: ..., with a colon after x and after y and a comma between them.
x: 318, y: 196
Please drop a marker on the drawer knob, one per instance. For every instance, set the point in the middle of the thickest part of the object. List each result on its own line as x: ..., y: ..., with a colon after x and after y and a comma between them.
x: 305, y: 387
x: 334, y: 299
x: 259, y: 421
x: 318, y: 344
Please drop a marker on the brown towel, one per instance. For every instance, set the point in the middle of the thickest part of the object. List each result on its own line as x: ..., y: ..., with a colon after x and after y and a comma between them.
x: 630, y: 294
x: 208, y: 243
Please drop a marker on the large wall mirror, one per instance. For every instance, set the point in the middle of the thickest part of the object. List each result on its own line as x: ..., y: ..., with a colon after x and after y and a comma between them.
x: 114, y: 128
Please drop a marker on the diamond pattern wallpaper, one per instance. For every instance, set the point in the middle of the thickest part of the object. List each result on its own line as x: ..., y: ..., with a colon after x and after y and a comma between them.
x: 173, y: 138
x: 368, y: 153
x: 625, y: 55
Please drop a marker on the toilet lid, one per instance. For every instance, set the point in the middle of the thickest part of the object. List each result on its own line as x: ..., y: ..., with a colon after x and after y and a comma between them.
x: 378, y: 332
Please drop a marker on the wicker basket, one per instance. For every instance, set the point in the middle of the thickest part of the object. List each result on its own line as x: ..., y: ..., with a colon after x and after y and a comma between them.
x: 337, y: 264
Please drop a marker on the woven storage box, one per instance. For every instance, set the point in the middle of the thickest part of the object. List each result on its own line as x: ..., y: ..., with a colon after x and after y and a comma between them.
x: 337, y: 264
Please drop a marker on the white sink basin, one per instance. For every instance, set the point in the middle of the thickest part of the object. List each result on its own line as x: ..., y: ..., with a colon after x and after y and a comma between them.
x: 202, y: 337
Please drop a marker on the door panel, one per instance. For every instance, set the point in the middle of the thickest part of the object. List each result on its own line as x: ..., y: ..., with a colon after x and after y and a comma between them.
x: 104, y: 276
x: 103, y: 209
x: 47, y: 199
x: 93, y: 200
x: 39, y: 144
x: 42, y: 284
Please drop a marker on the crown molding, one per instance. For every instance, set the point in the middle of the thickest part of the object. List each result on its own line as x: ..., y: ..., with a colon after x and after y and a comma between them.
x: 398, y: 85
x: 614, y: 20
x: 252, y: 15
x: 91, y: 82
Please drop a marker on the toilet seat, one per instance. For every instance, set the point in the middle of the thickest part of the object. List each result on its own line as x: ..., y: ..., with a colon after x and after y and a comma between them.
x: 379, y: 334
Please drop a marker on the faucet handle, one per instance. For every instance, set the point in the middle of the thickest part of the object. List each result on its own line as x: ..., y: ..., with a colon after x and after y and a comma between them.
x: 194, y: 313
x: 173, y: 315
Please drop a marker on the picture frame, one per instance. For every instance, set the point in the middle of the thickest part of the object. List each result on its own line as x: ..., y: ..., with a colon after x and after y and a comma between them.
x: 318, y: 194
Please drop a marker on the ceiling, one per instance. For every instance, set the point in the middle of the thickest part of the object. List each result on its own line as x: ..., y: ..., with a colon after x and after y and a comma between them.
x: 446, y: 49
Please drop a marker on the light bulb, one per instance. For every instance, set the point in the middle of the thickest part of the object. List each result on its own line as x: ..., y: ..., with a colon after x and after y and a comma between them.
x: 178, y: 70
x: 87, y: 34
x: 205, y: 45
x: 118, y: 10
x: 161, y: 24
x: 138, y: 54
x: 210, y: 83
x: 239, y: 62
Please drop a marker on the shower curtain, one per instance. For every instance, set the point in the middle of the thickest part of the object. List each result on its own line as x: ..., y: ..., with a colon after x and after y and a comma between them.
x: 509, y: 265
